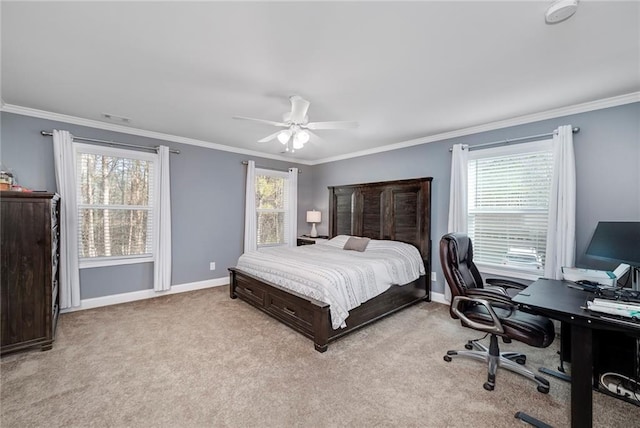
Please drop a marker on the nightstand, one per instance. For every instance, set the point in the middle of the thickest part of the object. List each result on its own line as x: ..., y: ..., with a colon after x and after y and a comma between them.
x: 307, y: 240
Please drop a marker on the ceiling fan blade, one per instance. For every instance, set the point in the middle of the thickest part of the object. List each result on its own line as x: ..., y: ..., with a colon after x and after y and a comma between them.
x: 299, y: 108
x: 268, y: 122
x: 332, y: 125
x: 315, y: 137
x: 269, y: 138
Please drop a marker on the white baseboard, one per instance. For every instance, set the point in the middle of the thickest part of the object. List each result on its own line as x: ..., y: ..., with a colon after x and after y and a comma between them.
x: 115, y: 299
x: 438, y: 298
x: 145, y: 294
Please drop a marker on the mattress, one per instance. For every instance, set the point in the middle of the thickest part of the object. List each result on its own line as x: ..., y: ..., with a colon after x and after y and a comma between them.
x: 342, y: 278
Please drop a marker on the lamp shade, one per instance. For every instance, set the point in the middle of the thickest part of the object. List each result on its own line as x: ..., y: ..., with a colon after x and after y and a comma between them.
x: 303, y: 136
x: 299, y: 139
x: 314, y: 216
x: 284, y: 135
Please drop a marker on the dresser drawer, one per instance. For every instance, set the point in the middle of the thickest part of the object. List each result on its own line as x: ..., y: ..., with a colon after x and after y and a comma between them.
x: 55, y: 260
x: 54, y: 294
x: 55, y: 238
x: 54, y: 213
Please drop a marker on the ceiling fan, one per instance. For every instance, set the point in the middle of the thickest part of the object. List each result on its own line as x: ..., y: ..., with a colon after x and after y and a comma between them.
x: 297, y: 126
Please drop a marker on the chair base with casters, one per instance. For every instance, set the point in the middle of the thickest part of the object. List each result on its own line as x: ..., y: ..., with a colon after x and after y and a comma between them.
x: 512, y: 361
x: 489, y: 309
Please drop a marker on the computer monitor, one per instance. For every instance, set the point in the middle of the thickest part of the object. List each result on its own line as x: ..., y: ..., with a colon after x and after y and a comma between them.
x: 620, y: 241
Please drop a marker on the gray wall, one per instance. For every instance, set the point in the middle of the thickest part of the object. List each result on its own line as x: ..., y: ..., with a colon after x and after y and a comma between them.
x: 207, y: 188
x: 207, y: 201
x: 607, y: 152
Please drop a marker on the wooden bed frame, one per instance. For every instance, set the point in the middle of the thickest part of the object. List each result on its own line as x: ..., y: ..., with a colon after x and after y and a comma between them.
x: 396, y: 210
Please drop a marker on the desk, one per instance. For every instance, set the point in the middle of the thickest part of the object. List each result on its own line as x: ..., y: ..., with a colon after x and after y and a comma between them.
x: 554, y: 299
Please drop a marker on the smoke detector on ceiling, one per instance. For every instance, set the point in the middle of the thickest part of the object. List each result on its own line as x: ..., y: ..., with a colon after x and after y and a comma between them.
x: 560, y: 10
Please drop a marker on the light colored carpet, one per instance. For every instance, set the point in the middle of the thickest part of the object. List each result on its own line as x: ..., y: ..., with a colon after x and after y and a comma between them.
x: 201, y: 359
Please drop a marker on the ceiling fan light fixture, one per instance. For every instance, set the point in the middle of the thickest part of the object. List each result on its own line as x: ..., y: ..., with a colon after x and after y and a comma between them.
x: 302, y: 137
x: 297, y: 128
x: 284, y: 136
x: 297, y: 144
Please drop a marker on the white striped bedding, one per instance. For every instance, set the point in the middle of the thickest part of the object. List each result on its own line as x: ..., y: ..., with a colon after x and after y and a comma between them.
x: 342, y: 278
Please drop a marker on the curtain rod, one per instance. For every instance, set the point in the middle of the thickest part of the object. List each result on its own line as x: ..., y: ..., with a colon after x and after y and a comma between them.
x: 515, y: 140
x: 111, y: 143
x: 265, y: 167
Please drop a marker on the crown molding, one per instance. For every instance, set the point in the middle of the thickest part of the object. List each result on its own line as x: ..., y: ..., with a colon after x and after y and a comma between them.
x: 42, y: 114
x: 520, y: 120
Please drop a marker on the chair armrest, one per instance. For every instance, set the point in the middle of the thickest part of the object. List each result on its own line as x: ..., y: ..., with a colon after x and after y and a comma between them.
x: 490, y: 295
x: 506, y: 283
x: 495, y: 289
x: 496, y: 328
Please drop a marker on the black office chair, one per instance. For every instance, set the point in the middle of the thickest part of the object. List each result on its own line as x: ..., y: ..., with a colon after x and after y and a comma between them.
x: 488, y: 308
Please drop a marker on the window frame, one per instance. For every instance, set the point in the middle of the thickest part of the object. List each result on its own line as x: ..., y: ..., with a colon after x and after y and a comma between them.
x: 505, y: 150
x: 285, y: 209
x: 105, y: 261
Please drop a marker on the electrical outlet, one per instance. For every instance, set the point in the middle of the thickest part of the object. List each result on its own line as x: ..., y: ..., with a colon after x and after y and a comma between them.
x: 433, y: 277
x: 212, y: 266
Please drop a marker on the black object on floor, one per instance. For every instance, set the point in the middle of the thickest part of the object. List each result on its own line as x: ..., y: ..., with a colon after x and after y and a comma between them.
x: 531, y: 420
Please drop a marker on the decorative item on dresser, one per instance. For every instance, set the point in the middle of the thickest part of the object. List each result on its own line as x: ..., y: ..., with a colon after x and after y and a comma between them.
x: 29, y: 277
x: 393, y: 210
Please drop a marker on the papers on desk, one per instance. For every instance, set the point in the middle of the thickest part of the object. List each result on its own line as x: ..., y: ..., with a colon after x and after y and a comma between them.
x: 623, y: 309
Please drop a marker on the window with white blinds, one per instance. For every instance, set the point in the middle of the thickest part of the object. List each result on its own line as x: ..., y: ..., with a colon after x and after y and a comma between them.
x: 115, y: 189
x: 508, y: 205
x: 272, y: 207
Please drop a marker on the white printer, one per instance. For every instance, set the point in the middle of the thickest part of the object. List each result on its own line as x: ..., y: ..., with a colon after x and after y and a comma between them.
x: 602, y: 277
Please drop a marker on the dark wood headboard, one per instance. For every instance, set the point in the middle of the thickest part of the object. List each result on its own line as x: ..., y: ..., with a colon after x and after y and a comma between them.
x: 397, y: 210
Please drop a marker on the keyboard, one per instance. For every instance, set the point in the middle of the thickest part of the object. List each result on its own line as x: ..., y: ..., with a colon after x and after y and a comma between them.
x: 620, y: 295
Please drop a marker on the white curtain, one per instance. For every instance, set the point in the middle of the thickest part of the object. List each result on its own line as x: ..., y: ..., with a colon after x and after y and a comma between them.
x: 457, y: 195
x: 561, y: 232
x: 458, y: 189
x: 162, y: 243
x: 66, y: 182
x: 250, y: 221
x: 292, y: 208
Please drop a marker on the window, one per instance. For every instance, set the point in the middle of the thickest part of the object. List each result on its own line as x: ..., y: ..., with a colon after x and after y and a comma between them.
x: 115, y: 205
x: 272, y: 213
x: 508, y: 206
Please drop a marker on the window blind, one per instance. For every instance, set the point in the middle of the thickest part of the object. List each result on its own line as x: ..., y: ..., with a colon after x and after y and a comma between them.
x: 508, y: 205
x: 271, y: 207
x: 115, y: 190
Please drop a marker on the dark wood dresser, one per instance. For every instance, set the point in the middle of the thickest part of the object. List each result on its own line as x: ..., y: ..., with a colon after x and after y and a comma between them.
x: 28, y: 270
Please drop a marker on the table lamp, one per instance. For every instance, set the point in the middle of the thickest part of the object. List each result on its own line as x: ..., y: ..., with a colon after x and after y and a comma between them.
x: 314, y: 217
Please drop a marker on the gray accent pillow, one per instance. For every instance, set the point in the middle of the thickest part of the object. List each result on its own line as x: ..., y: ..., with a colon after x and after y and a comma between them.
x: 356, y: 244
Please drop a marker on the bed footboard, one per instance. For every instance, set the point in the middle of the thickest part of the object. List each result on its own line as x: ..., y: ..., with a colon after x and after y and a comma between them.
x: 305, y: 315
x: 311, y: 317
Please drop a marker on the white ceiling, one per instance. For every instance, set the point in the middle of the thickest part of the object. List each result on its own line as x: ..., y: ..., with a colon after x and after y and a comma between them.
x: 403, y: 70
